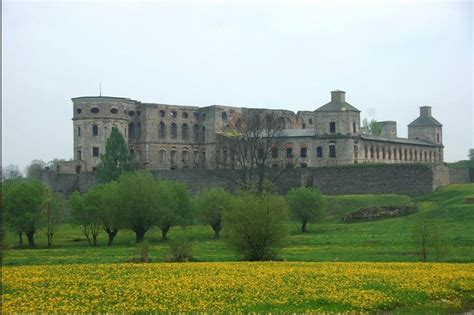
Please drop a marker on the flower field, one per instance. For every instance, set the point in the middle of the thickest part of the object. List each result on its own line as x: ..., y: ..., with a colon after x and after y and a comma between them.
x: 238, y: 286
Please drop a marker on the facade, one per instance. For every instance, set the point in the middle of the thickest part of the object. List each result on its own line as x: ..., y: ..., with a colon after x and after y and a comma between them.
x: 162, y: 136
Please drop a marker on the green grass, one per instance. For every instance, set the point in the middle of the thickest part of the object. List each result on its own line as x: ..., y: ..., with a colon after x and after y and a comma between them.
x: 331, y: 240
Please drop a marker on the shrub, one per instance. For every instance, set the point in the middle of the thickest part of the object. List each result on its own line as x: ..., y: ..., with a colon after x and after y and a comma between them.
x: 141, y: 252
x: 255, y: 227
x: 306, y: 204
x: 180, y: 251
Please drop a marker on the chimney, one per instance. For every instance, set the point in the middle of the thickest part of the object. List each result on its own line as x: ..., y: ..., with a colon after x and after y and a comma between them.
x: 425, y: 111
x: 338, y: 96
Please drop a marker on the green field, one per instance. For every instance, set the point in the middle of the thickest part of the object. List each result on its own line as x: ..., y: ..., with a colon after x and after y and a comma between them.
x: 386, y: 240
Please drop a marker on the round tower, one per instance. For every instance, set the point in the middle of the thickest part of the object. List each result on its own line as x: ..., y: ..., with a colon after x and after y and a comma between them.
x: 93, y: 120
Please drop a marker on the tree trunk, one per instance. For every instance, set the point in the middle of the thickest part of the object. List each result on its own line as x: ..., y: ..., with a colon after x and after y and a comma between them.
x: 303, y: 226
x: 20, y: 238
x: 31, y: 240
x: 164, y: 232
x: 94, y: 240
x: 139, y: 235
x: 217, y: 230
x: 111, y: 233
x: 50, y: 239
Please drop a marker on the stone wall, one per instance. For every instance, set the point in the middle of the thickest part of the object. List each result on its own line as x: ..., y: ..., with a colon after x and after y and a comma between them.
x: 459, y: 175
x: 407, y: 179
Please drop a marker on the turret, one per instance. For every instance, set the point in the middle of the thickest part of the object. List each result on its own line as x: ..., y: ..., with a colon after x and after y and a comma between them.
x: 426, y: 127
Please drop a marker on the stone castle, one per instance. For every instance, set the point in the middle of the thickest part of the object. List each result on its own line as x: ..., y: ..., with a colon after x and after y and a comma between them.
x: 162, y: 136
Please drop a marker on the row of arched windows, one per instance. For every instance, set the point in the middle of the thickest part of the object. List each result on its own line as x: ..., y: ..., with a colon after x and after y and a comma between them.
x: 401, y: 154
x: 199, y: 134
x: 184, y: 157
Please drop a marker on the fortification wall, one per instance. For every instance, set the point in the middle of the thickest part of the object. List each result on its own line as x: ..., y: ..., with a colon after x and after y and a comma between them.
x: 459, y: 175
x: 404, y: 179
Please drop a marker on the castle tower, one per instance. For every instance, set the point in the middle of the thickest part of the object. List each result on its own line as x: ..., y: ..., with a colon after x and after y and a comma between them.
x: 337, y: 116
x: 426, y: 127
x: 93, y: 120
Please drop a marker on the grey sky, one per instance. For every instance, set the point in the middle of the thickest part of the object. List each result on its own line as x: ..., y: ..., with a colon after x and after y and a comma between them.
x: 390, y: 58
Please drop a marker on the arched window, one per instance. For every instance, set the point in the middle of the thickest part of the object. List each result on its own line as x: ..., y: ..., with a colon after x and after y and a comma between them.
x: 162, y: 156
x: 78, y: 131
x: 416, y: 155
x: 174, y: 114
x: 185, y: 132
x: 95, y: 130
x: 174, y: 131
x: 162, y: 113
x: 332, y: 150
x: 173, y: 157
x: 131, y: 131
x: 371, y: 152
x: 185, y: 157
x: 366, y: 152
x: 319, y: 152
x: 184, y: 115
x: 356, y: 152
x: 196, y: 133
x: 162, y: 130
x: 332, y: 127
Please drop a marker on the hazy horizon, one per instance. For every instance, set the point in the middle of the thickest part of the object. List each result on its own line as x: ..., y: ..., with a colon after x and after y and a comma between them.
x: 390, y: 59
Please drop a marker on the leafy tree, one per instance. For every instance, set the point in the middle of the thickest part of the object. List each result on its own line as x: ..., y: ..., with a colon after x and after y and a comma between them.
x: 139, y: 202
x: 108, y: 214
x: 33, y: 171
x: 85, y: 212
x: 175, y: 207
x: 11, y: 172
x: 22, y: 206
x: 116, y: 160
x: 255, y: 226
x: 53, y: 212
x: 210, y: 206
x: 372, y: 128
x: 471, y: 154
x: 306, y: 205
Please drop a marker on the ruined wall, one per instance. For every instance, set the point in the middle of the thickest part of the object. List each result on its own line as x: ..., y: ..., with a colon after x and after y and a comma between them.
x: 405, y: 179
x: 459, y: 175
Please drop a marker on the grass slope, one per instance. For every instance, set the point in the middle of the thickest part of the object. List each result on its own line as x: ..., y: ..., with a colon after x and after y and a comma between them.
x: 331, y: 240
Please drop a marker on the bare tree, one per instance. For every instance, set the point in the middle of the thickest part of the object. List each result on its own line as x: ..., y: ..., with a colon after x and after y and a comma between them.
x: 11, y: 172
x: 254, y: 142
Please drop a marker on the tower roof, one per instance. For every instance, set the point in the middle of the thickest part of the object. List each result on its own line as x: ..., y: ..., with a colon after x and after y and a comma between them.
x: 337, y: 104
x: 425, y: 119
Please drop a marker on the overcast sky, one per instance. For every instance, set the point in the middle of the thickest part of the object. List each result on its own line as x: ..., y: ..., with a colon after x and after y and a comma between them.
x: 390, y: 58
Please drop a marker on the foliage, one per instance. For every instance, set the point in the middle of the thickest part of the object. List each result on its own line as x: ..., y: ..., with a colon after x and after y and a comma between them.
x: 372, y: 128
x: 22, y: 206
x: 53, y: 212
x: 141, y: 252
x: 33, y: 171
x: 471, y: 154
x: 255, y: 226
x: 210, y: 206
x: 85, y: 212
x: 116, y: 160
x: 306, y: 204
x: 140, y: 200
x: 257, y: 287
x: 180, y: 251
x: 109, y: 218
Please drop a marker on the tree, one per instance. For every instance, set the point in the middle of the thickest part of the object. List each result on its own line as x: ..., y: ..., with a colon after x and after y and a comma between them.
x: 306, y: 205
x: 22, y: 205
x: 427, y: 237
x: 108, y: 213
x: 53, y: 212
x: 33, y: 171
x: 85, y: 212
x: 139, y: 202
x: 116, y: 160
x: 251, y: 140
x: 210, y: 206
x: 175, y: 207
x: 255, y: 226
x: 372, y: 128
x: 471, y: 154
x: 11, y: 172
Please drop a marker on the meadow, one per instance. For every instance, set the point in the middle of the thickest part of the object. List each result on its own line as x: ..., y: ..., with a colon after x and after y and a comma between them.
x: 336, y: 266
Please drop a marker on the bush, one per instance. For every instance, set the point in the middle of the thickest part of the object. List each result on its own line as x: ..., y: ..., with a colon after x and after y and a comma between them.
x: 306, y: 204
x: 254, y: 227
x: 180, y: 251
x: 141, y: 252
